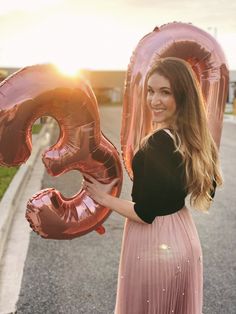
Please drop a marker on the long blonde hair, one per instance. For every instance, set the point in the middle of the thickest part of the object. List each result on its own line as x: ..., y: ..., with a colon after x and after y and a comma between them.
x: 191, y: 135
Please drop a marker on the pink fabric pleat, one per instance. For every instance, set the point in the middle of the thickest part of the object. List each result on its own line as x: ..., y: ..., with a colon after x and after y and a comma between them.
x: 160, y: 269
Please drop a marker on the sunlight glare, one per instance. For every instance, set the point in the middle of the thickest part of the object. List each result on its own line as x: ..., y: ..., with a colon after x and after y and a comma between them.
x: 69, y: 69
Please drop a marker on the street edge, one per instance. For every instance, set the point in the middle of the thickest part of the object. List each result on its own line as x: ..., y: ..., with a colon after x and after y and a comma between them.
x: 8, y: 204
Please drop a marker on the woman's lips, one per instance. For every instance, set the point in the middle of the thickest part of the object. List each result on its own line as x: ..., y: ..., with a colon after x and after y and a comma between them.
x: 158, y: 110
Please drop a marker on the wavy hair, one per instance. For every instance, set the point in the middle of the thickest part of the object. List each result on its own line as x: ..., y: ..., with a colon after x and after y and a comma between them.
x: 190, y: 131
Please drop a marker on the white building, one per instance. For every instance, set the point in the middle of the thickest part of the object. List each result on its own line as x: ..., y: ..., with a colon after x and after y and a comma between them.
x: 109, y: 85
x: 232, y: 85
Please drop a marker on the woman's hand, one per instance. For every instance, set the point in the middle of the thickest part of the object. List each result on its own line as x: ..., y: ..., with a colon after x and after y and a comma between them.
x: 99, y: 192
x: 96, y: 190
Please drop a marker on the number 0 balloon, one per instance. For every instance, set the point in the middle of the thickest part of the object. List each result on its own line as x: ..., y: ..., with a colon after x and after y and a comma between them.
x: 186, y: 42
x: 38, y: 91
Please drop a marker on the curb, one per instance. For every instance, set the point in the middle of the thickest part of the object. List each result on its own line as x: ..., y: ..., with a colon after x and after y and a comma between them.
x: 8, y: 204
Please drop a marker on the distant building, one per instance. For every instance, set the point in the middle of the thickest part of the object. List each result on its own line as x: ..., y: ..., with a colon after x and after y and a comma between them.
x: 108, y: 86
x: 5, y: 72
x: 232, y: 86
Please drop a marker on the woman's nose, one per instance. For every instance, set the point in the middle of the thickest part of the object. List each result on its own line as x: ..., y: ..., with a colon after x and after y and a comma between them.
x: 156, y: 99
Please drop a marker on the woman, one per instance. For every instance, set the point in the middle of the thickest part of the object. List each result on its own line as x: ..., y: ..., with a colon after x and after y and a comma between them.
x: 160, y: 268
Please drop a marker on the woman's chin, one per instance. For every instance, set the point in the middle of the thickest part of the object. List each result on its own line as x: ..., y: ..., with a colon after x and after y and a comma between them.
x: 157, y: 120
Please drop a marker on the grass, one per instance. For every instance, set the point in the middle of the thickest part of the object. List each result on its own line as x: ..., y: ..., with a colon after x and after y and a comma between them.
x: 7, y: 173
x: 36, y: 128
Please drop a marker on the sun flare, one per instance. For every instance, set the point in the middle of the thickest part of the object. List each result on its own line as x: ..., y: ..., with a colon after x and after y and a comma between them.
x: 68, y: 69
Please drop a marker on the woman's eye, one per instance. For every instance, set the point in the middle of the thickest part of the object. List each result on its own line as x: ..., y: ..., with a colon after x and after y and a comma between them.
x: 166, y: 92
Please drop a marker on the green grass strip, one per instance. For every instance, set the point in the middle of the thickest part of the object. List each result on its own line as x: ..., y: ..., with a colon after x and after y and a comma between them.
x: 36, y: 128
x: 6, y: 175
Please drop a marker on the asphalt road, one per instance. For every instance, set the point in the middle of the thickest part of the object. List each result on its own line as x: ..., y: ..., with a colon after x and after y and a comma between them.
x: 80, y: 276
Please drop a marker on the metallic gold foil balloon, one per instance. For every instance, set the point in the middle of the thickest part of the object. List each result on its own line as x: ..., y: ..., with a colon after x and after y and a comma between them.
x: 186, y: 42
x: 42, y: 90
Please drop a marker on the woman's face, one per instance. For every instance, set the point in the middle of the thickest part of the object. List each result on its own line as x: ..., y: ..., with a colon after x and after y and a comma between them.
x: 161, y: 100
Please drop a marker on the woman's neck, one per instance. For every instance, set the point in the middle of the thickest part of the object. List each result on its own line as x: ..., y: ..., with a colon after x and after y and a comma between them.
x: 158, y: 126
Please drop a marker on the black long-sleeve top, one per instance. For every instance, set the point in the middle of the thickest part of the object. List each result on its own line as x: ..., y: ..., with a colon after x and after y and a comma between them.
x: 158, y: 178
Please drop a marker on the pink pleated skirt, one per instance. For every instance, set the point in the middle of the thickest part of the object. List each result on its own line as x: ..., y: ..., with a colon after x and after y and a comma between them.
x: 160, y: 269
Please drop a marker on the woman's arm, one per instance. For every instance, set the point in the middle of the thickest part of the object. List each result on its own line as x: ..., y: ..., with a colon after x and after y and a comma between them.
x: 122, y: 207
x: 99, y: 192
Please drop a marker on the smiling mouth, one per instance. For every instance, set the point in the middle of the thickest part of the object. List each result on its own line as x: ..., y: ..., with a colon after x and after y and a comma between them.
x: 158, y: 110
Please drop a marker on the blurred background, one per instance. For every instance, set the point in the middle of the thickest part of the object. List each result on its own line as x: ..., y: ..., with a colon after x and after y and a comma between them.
x: 98, y: 37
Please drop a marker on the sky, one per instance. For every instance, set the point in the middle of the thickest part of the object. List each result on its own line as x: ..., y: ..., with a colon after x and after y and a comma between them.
x: 101, y: 34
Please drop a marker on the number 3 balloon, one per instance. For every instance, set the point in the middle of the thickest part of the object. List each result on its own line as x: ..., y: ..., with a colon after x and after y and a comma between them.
x: 38, y: 91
